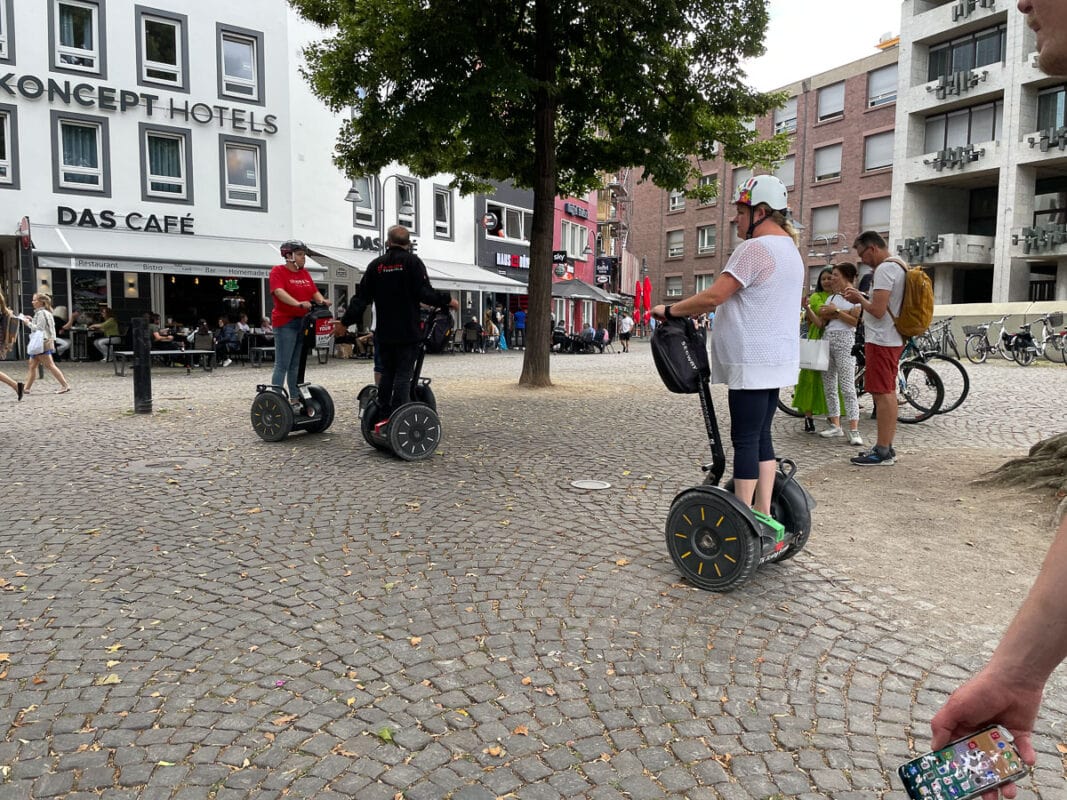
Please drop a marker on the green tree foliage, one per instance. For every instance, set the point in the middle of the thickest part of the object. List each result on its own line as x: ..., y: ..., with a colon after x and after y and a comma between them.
x: 545, y: 94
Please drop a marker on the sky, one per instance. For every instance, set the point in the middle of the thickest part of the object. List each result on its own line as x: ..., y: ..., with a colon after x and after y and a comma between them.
x: 806, y: 37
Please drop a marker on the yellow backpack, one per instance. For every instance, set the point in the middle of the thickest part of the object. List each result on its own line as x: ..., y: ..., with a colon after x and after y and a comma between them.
x: 917, y: 308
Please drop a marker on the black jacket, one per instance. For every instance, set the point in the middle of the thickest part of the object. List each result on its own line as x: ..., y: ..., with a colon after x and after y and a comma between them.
x: 396, y: 283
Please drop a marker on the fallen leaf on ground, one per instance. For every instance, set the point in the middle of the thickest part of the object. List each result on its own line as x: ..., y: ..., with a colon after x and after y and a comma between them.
x: 521, y: 730
x: 281, y: 722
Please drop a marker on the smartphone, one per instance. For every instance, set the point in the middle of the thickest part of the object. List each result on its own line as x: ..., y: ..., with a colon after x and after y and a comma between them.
x: 964, y: 768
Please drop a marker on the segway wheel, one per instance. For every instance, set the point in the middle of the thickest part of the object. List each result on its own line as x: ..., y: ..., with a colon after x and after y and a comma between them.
x: 790, y: 505
x: 272, y: 416
x: 422, y: 393
x: 712, y: 538
x: 369, y: 417
x: 323, y: 418
x: 414, y: 431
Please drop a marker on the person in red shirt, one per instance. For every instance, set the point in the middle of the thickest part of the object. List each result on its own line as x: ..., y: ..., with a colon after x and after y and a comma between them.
x: 293, y: 292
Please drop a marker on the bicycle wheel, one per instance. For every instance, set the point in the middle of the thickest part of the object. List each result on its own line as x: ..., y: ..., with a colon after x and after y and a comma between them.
x: 950, y: 340
x: 953, y: 377
x: 1054, y: 349
x: 785, y: 401
x: 1024, y: 356
x: 920, y: 392
x: 976, y: 349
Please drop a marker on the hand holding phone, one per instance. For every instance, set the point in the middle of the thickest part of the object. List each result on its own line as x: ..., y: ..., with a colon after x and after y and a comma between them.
x: 965, y: 768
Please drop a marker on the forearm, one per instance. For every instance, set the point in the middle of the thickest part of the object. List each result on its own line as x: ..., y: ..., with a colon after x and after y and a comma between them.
x: 1036, y: 641
x: 286, y: 298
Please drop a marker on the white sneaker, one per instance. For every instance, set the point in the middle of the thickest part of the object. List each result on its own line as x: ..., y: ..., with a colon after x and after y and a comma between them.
x: 227, y: 362
x: 832, y: 432
x: 855, y: 438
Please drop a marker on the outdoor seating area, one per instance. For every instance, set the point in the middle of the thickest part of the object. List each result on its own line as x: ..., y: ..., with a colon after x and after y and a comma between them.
x: 206, y: 359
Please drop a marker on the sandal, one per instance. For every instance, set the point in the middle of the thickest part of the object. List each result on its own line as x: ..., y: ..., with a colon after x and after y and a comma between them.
x: 64, y: 390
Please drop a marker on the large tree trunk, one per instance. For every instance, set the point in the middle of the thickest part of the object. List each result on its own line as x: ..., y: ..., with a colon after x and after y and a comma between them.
x: 535, y: 370
x: 1044, y: 468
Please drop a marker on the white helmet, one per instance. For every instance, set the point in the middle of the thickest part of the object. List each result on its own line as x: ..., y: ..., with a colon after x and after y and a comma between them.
x: 763, y: 189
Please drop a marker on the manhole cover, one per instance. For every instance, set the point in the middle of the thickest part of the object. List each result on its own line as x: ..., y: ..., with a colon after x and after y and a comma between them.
x: 169, y: 464
x: 590, y: 484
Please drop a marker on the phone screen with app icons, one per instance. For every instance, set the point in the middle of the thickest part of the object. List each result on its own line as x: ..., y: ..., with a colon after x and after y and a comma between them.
x: 964, y: 768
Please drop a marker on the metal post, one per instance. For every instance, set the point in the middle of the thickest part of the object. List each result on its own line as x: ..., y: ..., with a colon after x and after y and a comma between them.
x: 142, y: 366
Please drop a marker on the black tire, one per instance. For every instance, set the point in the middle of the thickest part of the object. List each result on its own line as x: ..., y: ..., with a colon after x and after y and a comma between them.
x: 920, y: 395
x: 1054, y: 350
x: 790, y: 506
x: 953, y: 377
x: 951, y: 340
x: 324, y: 410
x: 1024, y: 355
x: 422, y: 393
x: 272, y: 416
x: 712, y: 538
x: 369, y: 417
x: 785, y: 397
x: 975, y: 349
x: 414, y: 431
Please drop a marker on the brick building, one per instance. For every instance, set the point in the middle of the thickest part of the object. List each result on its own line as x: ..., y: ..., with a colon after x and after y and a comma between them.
x: 838, y: 171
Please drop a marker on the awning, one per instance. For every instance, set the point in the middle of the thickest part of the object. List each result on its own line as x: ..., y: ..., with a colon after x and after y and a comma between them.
x: 580, y: 290
x: 121, y: 251
x: 468, y: 277
x: 342, y: 257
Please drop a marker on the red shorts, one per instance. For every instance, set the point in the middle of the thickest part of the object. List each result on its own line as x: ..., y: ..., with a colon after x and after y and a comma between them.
x: 881, y: 374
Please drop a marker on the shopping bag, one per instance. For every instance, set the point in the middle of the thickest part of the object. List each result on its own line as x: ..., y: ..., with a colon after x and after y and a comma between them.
x: 36, y: 344
x: 814, y: 354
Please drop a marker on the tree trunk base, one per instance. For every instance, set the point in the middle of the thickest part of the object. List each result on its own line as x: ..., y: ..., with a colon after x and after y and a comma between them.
x: 1044, y: 468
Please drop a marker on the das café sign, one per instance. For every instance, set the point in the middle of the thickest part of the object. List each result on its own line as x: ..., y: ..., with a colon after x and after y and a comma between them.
x: 108, y: 219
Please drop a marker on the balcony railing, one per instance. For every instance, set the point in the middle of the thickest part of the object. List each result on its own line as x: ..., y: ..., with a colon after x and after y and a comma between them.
x: 965, y: 8
x: 1050, y: 137
x: 1040, y: 237
x: 954, y: 157
x: 957, y: 83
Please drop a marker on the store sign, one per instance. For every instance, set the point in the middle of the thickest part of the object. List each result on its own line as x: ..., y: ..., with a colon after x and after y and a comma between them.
x: 167, y: 267
x: 575, y: 210
x: 604, y: 265
x: 134, y: 220
x: 366, y: 243
x: 513, y: 260
x: 108, y: 98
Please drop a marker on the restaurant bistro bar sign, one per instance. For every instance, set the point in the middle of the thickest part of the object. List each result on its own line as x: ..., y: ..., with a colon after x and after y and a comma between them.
x: 133, y: 220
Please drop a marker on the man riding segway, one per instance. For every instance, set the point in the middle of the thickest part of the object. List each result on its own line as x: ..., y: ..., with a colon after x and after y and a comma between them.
x: 397, y: 284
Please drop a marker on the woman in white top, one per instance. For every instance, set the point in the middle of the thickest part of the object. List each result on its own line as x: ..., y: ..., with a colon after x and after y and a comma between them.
x: 756, y: 347
x: 44, y: 322
x: 839, y: 318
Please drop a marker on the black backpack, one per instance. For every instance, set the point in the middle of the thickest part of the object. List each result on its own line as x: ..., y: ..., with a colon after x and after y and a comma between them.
x: 681, y: 355
x: 439, y: 334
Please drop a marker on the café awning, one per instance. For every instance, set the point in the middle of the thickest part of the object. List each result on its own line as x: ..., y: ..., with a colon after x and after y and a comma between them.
x: 175, y: 254
x: 470, y: 278
x: 580, y: 290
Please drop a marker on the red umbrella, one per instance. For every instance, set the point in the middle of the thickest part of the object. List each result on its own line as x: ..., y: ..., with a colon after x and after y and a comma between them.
x: 648, y: 294
x: 637, y: 301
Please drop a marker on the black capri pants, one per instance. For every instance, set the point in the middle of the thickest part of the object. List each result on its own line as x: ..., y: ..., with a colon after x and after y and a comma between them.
x: 751, y: 411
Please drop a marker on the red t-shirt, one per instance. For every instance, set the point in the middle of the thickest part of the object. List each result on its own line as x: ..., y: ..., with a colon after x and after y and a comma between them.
x: 300, y: 287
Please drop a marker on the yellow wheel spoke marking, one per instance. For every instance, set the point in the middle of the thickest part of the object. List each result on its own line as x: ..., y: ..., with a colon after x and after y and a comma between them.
x: 686, y: 555
x: 702, y: 513
x: 731, y: 560
x: 717, y: 572
x: 688, y: 521
x: 730, y: 539
x: 700, y: 568
x: 680, y: 535
x: 717, y: 524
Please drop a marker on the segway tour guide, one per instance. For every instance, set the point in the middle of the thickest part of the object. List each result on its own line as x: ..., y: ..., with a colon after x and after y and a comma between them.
x: 274, y: 413
x: 715, y: 540
x: 413, y: 431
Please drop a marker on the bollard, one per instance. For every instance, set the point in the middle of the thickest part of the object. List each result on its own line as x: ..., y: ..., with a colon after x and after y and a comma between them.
x: 142, y: 366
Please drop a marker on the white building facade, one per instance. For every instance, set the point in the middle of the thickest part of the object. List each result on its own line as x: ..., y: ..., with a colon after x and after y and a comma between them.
x: 980, y: 157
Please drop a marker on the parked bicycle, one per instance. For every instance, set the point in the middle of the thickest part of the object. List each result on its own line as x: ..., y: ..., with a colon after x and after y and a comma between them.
x: 939, y: 339
x: 978, y: 347
x: 1051, y: 343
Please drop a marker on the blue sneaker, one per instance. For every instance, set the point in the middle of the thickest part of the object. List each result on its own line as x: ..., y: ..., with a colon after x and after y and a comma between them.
x: 872, y: 458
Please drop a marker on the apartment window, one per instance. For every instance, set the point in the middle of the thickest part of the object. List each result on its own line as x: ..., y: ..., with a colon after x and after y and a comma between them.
x: 442, y: 212
x: 243, y: 170
x: 982, y: 123
x: 673, y: 285
x: 874, y: 214
x: 7, y: 35
x: 240, y: 64
x: 166, y: 164
x: 81, y: 146
x: 676, y: 201
x: 711, y: 181
x: 76, y: 32
x: 824, y: 221
x: 832, y: 101
x: 828, y: 162
x: 786, y: 170
x: 407, y: 204
x: 363, y: 209
x: 882, y: 86
x: 741, y: 175
x: 514, y: 224
x: 878, y: 151
x: 1052, y: 108
x: 162, y: 49
x: 9, y: 137
x: 704, y: 281
x: 705, y: 240
x: 575, y: 239
x: 675, y: 244
x: 785, y: 118
x: 968, y: 52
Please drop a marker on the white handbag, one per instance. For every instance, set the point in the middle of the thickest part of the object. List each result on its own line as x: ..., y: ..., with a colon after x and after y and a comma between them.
x: 36, y: 344
x: 815, y: 354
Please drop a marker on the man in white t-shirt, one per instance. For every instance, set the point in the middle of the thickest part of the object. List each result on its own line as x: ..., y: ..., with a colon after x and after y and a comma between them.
x: 883, y: 343
x: 626, y: 324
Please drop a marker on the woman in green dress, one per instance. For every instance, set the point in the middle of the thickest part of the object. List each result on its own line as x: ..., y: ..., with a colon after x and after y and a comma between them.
x: 808, y: 395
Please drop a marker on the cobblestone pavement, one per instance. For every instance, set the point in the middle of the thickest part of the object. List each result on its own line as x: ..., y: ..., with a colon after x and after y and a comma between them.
x: 188, y: 612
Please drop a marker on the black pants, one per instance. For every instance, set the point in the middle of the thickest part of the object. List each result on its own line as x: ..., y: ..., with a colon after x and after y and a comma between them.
x: 398, y: 366
x: 751, y: 411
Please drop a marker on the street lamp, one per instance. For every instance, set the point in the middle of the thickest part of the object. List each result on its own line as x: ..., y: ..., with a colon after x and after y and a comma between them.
x: 828, y: 242
x: 406, y: 208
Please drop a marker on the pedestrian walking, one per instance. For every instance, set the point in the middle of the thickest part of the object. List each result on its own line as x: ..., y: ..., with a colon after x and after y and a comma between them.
x: 43, y: 323
x: 839, y: 318
x: 8, y: 334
